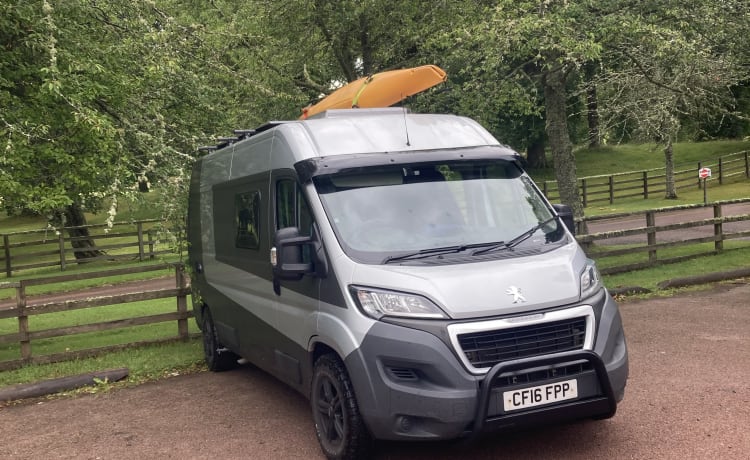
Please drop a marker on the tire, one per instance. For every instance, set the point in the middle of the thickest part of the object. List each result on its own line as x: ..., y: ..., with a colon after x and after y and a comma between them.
x: 338, y: 425
x: 217, y: 357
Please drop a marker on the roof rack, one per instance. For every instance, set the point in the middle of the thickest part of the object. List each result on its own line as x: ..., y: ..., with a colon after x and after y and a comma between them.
x: 244, y: 132
x: 240, y: 134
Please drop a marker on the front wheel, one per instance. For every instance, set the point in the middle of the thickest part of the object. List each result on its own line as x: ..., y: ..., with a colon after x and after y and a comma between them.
x: 217, y: 357
x: 338, y: 425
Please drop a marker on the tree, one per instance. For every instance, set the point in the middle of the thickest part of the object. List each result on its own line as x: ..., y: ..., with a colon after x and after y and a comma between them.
x: 99, y: 96
x: 535, y: 49
x: 669, y: 66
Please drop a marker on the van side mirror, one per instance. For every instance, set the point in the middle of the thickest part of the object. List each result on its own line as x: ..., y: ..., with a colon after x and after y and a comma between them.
x: 286, y: 254
x: 566, y: 215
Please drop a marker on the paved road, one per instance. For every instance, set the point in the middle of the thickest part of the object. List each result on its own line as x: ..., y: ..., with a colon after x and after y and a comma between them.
x: 688, y: 397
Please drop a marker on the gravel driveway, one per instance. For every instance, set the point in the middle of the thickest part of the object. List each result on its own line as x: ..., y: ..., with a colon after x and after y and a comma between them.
x: 688, y: 397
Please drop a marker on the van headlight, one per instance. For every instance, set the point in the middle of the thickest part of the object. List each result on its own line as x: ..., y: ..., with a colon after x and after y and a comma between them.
x: 377, y: 303
x: 590, y: 280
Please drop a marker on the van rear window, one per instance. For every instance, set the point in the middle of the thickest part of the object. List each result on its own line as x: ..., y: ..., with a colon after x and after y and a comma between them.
x: 247, y: 223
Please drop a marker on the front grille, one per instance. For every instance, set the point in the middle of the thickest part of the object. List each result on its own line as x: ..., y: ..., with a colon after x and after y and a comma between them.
x: 487, y: 348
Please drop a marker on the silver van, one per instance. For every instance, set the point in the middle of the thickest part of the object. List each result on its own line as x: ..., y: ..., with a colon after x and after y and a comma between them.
x: 402, y: 272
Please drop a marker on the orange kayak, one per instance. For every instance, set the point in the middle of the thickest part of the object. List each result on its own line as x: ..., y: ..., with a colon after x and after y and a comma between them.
x: 380, y: 90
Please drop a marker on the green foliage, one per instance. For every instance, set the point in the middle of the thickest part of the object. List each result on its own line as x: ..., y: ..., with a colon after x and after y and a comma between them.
x: 97, y: 97
x: 666, y: 67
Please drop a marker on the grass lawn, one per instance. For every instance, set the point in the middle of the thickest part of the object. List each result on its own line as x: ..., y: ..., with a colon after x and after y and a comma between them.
x: 638, y: 157
x: 715, y: 192
x: 145, y: 363
x: 736, y: 256
x: 94, y: 339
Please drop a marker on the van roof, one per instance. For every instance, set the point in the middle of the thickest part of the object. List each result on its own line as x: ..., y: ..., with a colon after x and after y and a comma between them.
x: 348, y: 131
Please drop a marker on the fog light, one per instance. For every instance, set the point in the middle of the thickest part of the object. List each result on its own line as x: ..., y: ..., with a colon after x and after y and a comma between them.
x: 405, y: 423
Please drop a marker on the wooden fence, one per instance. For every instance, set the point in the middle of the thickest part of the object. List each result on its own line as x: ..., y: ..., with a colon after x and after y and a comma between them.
x: 23, y: 309
x: 639, y: 240
x: 646, y: 183
x: 49, y: 247
x: 637, y: 234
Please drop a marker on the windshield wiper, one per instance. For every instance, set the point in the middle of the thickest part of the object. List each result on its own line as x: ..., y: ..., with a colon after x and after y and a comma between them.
x: 515, y: 241
x: 432, y: 252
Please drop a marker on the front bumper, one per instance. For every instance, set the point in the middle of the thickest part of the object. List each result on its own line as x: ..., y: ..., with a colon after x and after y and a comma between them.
x: 410, y: 385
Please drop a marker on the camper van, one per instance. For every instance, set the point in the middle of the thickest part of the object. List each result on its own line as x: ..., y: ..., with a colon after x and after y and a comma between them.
x: 404, y: 273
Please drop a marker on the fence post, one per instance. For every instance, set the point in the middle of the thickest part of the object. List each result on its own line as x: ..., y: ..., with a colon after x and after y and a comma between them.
x: 140, y: 241
x: 23, y: 322
x: 611, y: 189
x: 584, y: 191
x: 700, y: 185
x: 61, y: 243
x: 8, y: 266
x: 747, y: 166
x: 721, y: 176
x: 182, y: 322
x: 718, y: 230
x: 546, y: 193
x: 651, y: 235
x: 645, y: 185
x: 150, y: 245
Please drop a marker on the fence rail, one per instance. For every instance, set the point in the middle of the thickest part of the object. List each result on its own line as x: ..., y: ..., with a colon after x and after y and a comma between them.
x: 23, y: 310
x: 646, y: 183
x: 49, y: 247
x: 638, y: 233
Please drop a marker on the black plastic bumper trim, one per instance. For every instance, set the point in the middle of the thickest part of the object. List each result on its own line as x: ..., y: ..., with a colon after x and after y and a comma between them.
x: 603, y: 406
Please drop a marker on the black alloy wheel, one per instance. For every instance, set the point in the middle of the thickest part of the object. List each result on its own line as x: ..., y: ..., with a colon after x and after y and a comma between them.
x: 338, y: 425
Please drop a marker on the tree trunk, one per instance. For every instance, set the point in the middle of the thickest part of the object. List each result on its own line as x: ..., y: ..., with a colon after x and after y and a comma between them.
x: 365, y: 45
x: 592, y: 107
x: 535, y: 155
x: 80, y: 237
x: 671, y: 189
x: 592, y: 113
x: 559, y: 139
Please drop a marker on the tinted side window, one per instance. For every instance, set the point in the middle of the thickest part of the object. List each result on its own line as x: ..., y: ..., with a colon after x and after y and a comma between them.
x: 285, y: 204
x: 247, y: 219
x: 291, y: 207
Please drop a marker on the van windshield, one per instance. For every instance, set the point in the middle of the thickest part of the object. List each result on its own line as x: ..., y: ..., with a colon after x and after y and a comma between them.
x: 446, y: 211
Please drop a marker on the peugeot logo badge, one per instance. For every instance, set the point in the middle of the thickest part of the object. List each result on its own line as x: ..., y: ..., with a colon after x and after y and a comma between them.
x: 516, y: 293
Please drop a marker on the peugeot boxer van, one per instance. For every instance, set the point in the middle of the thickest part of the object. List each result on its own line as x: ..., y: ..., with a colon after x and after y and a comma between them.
x: 405, y: 274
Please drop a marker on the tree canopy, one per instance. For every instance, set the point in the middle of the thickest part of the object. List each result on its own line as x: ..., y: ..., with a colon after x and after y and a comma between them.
x: 98, y: 97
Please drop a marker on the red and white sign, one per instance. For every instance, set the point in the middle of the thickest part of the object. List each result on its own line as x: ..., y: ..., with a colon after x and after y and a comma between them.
x: 704, y: 173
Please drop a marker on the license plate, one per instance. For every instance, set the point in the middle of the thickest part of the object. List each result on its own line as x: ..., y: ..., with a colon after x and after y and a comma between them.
x: 540, y: 395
